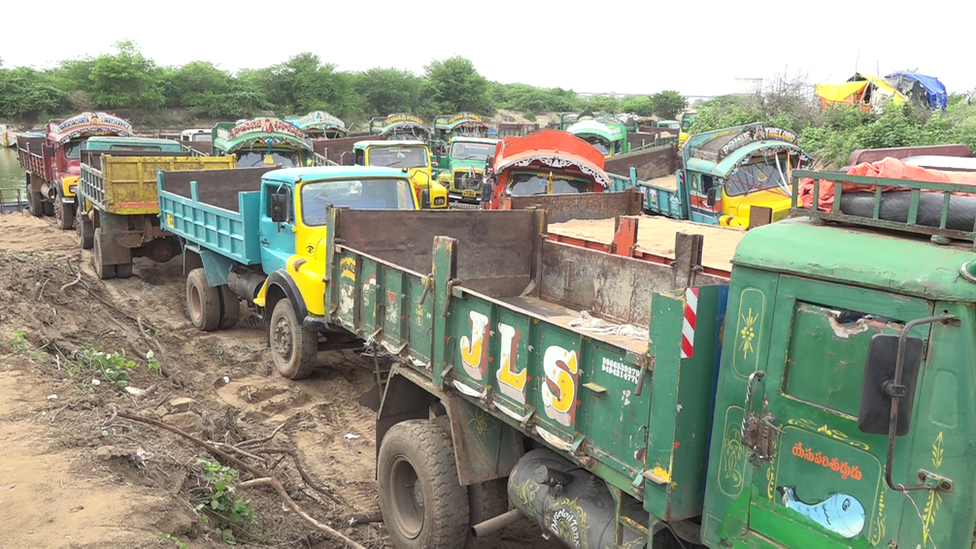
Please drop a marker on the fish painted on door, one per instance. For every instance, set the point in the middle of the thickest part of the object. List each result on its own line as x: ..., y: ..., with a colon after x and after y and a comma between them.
x: 842, y: 514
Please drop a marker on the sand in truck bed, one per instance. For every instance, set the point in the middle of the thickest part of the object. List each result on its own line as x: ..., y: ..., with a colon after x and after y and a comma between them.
x: 656, y: 235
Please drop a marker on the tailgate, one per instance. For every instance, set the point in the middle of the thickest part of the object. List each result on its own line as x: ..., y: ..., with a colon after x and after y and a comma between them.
x: 130, y: 182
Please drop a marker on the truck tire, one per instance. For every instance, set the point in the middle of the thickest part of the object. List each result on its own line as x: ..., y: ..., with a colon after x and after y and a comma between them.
x: 422, y: 502
x: 86, y: 231
x: 64, y: 214
x: 230, y: 308
x: 486, y: 500
x: 202, y: 301
x: 48, y: 207
x: 292, y: 346
x: 103, y: 271
x: 35, y: 203
x: 124, y: 270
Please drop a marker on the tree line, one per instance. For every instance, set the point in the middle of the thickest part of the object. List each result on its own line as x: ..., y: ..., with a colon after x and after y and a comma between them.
x: 128, y: 80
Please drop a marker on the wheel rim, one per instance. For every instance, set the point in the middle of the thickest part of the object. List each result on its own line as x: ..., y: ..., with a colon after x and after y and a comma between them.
x: 408, y: 498
x: 196, y: 305
x: 284, y: 344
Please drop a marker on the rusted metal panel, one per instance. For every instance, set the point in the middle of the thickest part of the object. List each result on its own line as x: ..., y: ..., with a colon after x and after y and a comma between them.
x: 564, y: 207
x: 217, y: 187
x: 649, y: 163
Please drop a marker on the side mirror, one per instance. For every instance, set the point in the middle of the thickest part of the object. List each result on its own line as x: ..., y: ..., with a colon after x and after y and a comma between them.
x: 424, y: 199
x: 874, y: 416
x: 712, y: 196
x: 50, y: 150
x: 279, y: 207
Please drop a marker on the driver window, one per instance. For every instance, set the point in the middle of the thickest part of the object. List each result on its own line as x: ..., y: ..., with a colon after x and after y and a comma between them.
x: 706, y: 183
x: 280, y: 190
x: 360, y: 157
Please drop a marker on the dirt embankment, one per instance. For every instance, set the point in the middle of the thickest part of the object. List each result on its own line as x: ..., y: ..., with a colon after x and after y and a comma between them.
x: 72, y: 474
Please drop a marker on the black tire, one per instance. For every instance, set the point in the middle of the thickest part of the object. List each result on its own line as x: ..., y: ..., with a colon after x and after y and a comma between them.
x: 103, y: 271
x: 86, y: 232
x: 64, y: 214
x: 230, y: 308
x: 48, y: 207
x: 486, y: 500
x: 292, y: 346
x: 422, y: 502
x: 202, y: 301
x: 124, y: 270
x: 35, y: 203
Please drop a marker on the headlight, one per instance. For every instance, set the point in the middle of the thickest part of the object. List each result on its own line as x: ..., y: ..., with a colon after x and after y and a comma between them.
x: 72, y: 189
x: 439, y: 201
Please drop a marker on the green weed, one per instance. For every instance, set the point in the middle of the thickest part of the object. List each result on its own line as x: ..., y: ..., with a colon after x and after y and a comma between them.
x: 179, y: 544
x: 229, y: 514
x: 20, y: 344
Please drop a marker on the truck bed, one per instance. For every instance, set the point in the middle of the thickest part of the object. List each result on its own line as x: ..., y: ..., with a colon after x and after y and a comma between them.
x: 665, y: 182
x: 656, y: 235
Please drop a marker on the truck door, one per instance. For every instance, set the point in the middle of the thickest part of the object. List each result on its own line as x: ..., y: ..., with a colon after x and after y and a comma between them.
x: 817, y: 480
x: 704, y: 198
x: 277, y: 238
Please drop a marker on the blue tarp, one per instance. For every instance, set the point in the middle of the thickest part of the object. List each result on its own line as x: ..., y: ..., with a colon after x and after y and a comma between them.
x: 934, y: 90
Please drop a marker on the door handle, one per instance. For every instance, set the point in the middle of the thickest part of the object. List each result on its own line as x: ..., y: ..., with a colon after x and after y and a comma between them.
x: 264, y: 242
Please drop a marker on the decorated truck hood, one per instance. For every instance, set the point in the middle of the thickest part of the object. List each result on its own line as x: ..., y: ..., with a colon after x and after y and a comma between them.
x: 322, y: 124
x: 258, y: 132
x: 554, y: 149
x: 464, y: 123
x: 721, y: 152
x: 88, y: 124
x: 400, y: 126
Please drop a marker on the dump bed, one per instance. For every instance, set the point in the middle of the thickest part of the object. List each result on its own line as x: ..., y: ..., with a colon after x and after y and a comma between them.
x: 30, y: 154
x: 214, y: 209
x: 125, y: 183
x: 478, y: 304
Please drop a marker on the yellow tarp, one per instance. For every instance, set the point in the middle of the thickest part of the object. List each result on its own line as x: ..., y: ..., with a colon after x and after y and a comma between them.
x: 839, y: 92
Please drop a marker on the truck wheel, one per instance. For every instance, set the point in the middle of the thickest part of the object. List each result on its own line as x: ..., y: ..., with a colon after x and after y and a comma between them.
x: 202, y: 301
x: 35, y: 203
x: 292, y: 346
x: 48, y: 207
x: 485, y: 500
x: 230, y: 308
x: 86, y: 231
x: 64, y: 214
x: 422, y: 502
x: 124, y: 270
x: 103, y: 271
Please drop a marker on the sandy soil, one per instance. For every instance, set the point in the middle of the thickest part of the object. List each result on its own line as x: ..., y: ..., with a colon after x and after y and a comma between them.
x: 74, y: 476
x: 655, y: 235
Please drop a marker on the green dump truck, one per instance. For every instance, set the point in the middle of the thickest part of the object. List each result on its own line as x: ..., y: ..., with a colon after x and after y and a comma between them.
x: 818, y: 397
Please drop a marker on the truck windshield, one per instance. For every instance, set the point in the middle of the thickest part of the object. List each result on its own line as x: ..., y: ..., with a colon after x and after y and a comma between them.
x: 529, y: 184
x: 757, y: 177
x: 398, y: 157
x: 72, y: 149
x: 255, y: 159
x: 379, y: 193
x: 600, y: 144
x: 472, y: 151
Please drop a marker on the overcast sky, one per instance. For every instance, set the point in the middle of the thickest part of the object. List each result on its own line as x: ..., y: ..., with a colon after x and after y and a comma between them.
x: 588, y: 46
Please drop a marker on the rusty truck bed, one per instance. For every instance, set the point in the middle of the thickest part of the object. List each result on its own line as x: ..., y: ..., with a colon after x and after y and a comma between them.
x: 656, y: 236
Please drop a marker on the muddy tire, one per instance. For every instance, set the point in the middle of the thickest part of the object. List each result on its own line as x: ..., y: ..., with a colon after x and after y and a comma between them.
x: 124, y: 270
x: 103, y: 271
x: 292, y: 346
x: 86, y: 231
x: 35, y: 203
x: 64, y: 215
x: 48, y: 208
x: 202, y: 301
x: 230, y: 308
x: 485, y: 500
x: 422, y: 502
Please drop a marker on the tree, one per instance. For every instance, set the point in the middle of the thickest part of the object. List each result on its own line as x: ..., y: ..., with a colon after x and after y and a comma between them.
x: 530, y: 99
x: 638, y: 104
x: 602, y: 103
x: 388, y: 91
x: 126, y: 79
x: 29, y: 93
x: 668, y: 103
x: 454, y: 85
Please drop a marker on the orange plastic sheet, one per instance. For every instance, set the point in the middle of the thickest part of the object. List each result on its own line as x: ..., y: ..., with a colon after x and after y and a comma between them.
x: 890, y: 168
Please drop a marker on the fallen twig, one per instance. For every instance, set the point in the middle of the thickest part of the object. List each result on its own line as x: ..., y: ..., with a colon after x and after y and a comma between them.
x: 72, y: 283
x: 256, y: 441
x: 301, y: 471
x: 366, y: 518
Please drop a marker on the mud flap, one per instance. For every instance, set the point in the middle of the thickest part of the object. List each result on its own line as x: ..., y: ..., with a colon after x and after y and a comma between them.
x: 403, y: 399
x: 484, y: 447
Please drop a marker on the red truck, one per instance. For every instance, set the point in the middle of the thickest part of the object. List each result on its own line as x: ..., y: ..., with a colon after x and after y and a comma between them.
x: 52, y: 161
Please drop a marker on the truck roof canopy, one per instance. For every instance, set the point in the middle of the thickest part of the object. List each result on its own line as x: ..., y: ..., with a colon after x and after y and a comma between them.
x: 263, y: 132
x: 610, y: 132
x: 381, y: 143
x: 871, y: 258
x: 554, y: 148
x: 87, y: 124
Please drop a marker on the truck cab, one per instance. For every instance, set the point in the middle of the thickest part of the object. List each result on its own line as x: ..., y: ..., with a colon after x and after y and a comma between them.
x: 400, y: 127
x: 198, y: 135
x: 322, y: 125
x: 412, y: 157
x: 544, y: 163
x: 461, y: 170
x: 262, y: 142
x: 53, y: 163
x: 610, y: 138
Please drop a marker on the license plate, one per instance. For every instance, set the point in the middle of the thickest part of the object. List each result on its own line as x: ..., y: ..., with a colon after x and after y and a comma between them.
x: 468, y: 194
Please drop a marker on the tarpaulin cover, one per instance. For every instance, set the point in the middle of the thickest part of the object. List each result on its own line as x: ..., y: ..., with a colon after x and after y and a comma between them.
x: 889, y: 168
x: 935, y: 90
x: 839, y: 92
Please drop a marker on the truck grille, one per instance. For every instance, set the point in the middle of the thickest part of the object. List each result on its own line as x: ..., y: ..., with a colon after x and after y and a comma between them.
x: 464, y: 181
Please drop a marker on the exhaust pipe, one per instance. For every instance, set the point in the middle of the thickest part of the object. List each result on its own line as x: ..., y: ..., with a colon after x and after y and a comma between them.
x: 493, y: 525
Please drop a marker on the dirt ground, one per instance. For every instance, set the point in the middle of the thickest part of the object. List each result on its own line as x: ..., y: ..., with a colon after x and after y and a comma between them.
x: 75, y: 475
